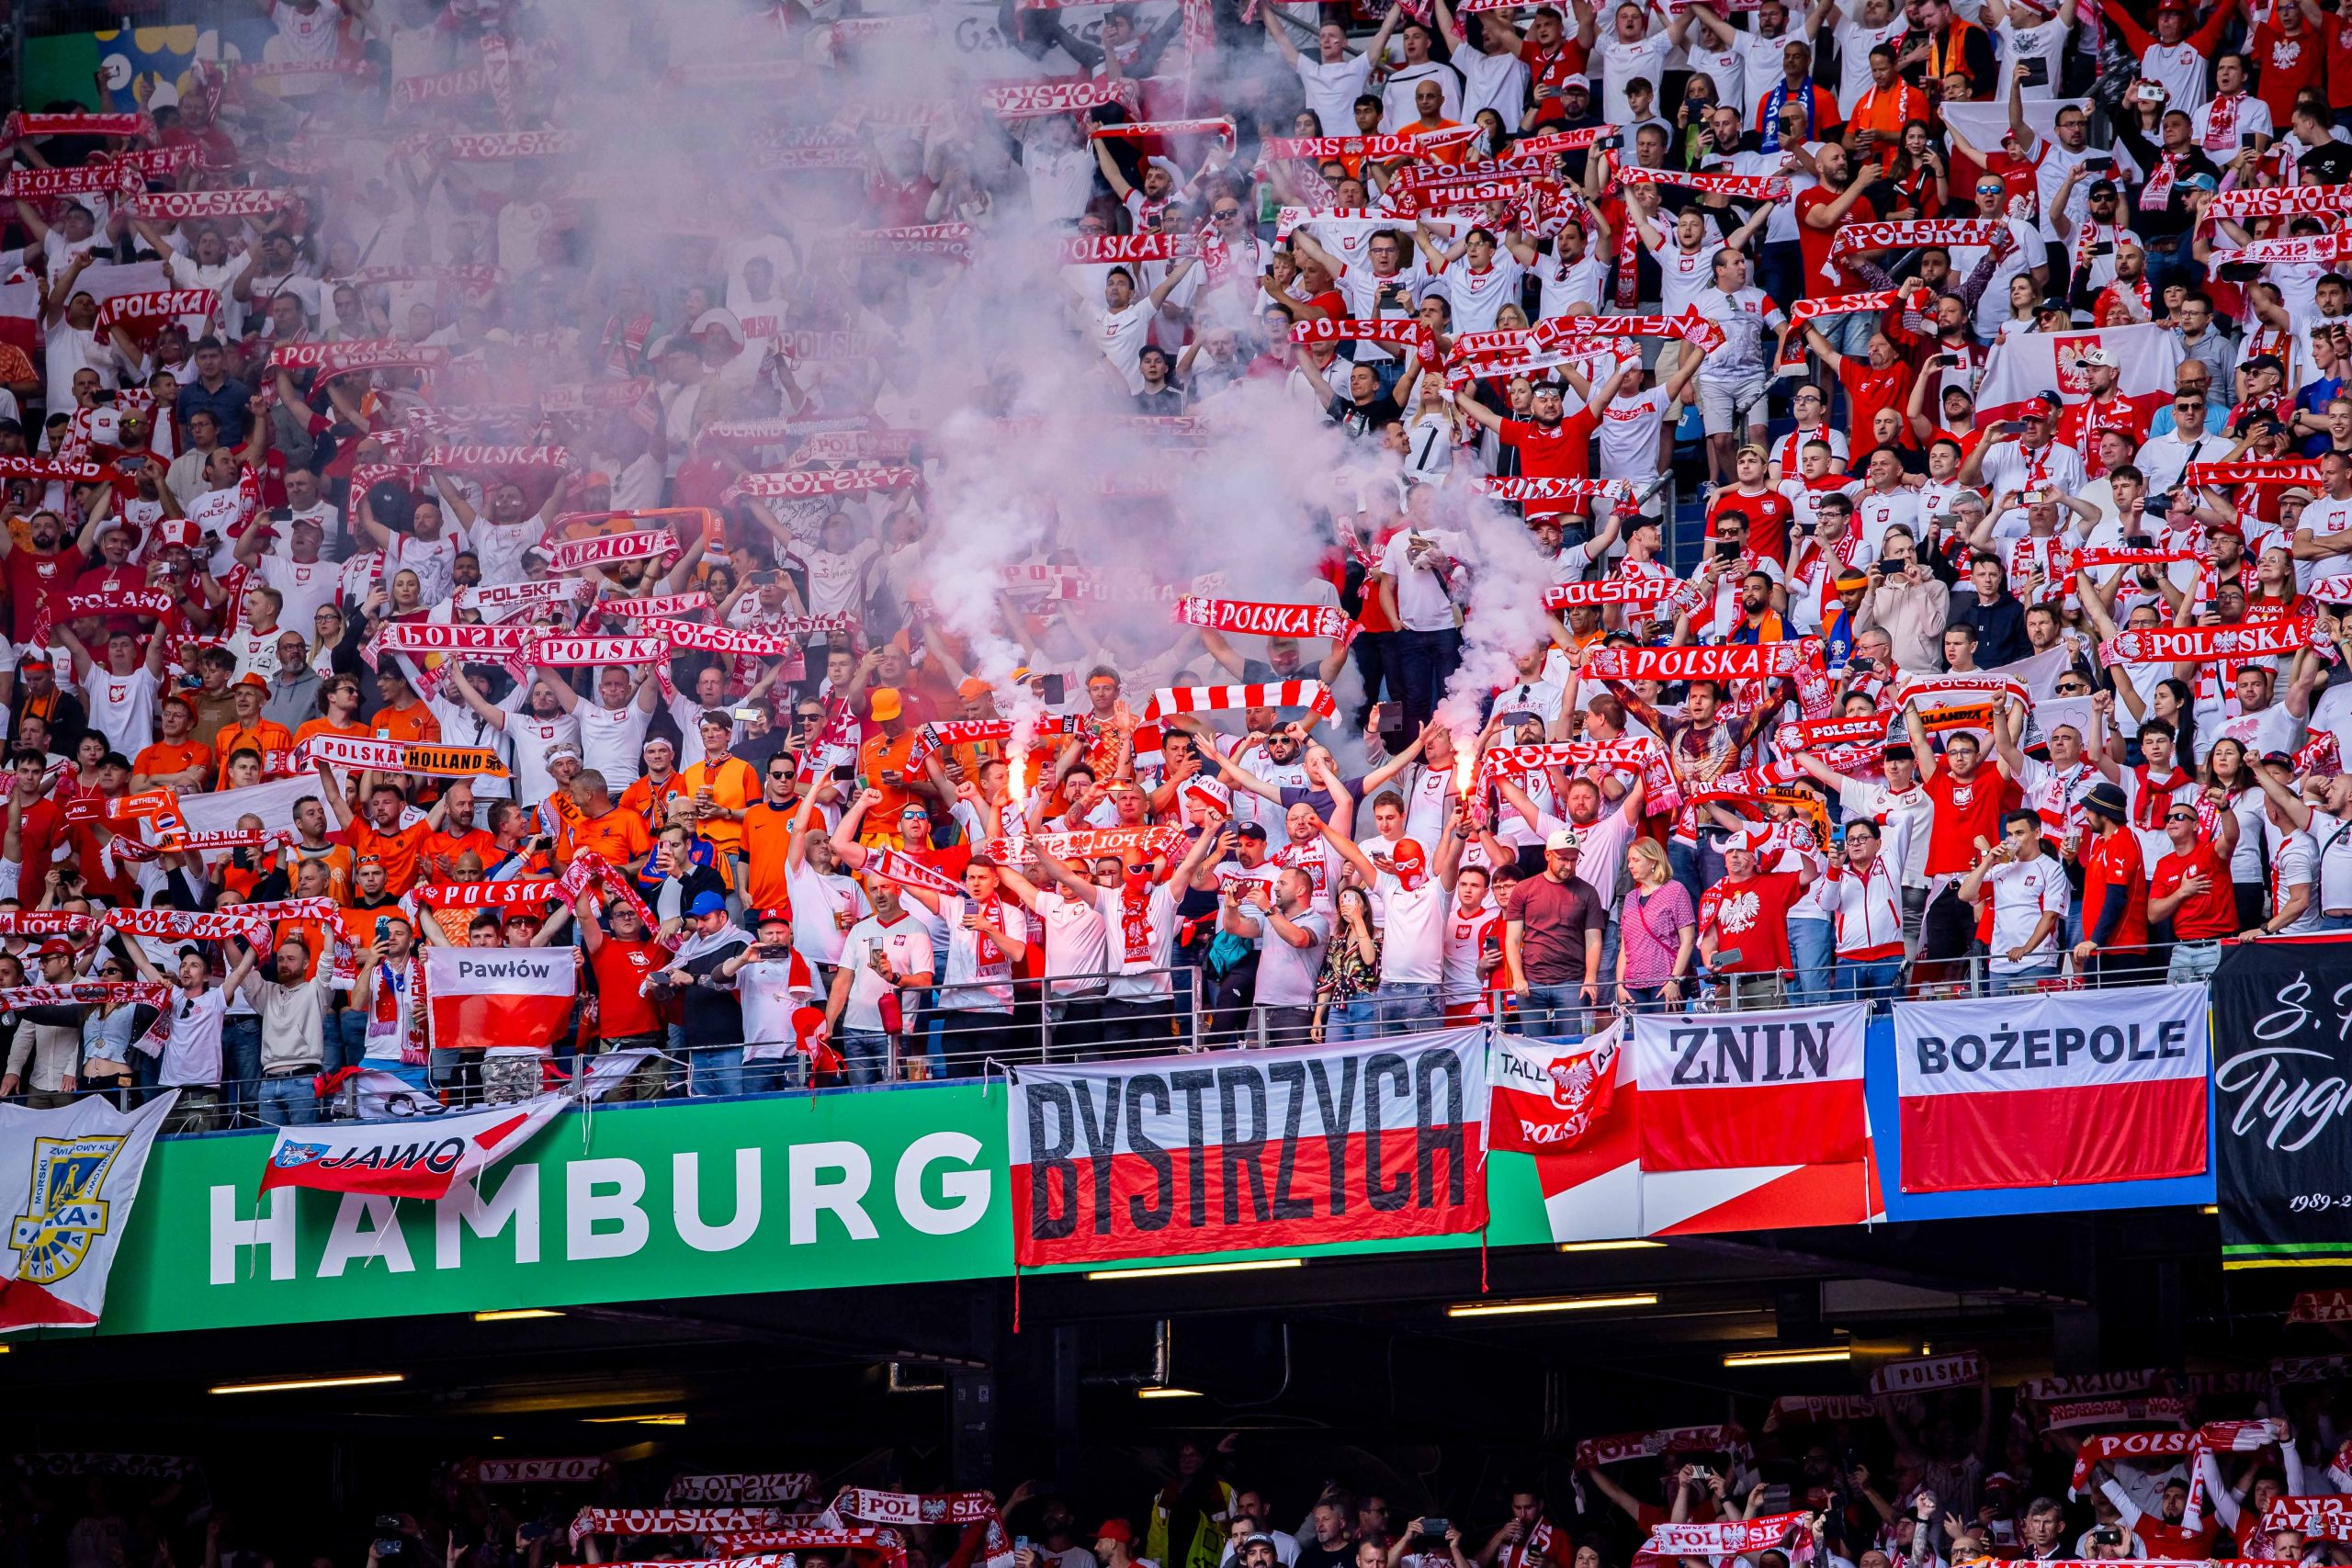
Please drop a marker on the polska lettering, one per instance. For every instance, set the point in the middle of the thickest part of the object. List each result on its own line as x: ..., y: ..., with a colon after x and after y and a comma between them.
x: 1963, y: 1370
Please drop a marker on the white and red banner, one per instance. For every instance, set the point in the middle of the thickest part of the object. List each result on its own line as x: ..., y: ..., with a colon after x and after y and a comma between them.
x: 2025, y: 364
x: 1723, y: 1091
x: 1690, y: 661
x: 502, y: 996
x: 407, y: 1157
x: 1030, y: 100
x: 1594, y: 1452
x: 68, y: 1177
x: 2203, y: 645
x: 2053, y: 1089
x: 1164, y: 1159
x: 1924, y: 1374
x: 1313, y: 696
x: 1795, y: 1409
x: 2080, y: 1413
x: 1553, y: 1096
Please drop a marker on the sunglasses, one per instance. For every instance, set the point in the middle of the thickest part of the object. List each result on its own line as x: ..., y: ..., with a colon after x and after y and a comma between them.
x: 2180, y: 817
x: 1228, y: 212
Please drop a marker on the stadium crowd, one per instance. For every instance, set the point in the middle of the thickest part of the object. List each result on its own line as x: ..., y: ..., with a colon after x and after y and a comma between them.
x: 394, y: 559
x: 1850, y: 1482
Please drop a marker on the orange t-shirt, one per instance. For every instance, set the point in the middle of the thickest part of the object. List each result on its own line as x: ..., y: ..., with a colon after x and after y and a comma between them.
x: 442, y: 849
x: 266, y: 736
x: 642, y: 798
x: 165, y: 758
x: 767, y: 834
x: 328, y: 726
x: 399, y: 851
x: 880, y: 754
x: 619, y: 836
x: 415, y: 722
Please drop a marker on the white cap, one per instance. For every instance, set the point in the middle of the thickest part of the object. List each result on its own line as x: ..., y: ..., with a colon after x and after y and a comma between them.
x: 1565, y: 839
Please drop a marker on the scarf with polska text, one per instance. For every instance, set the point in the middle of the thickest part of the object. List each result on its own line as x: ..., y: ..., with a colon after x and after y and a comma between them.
x: 178, y: 206
x: 1907, y: 234
x: 1728, y: 1538
x: 665, y: 1521
x: 479, y: 456
x: 795, y: 483
x: 561, y: 652
x: 965, y: 1508
x: 1818, y: 733
x: 2264, y: 472
x: 2280, y: 201
x: 785, y: 636
x: 2102, y: 1412
x: 512, y: 894
x: 1032, y: 100
x: 187, y: 925
x: 1312, y: 696
x: 1719, y: 662
x: 344, y: 358
x: 143, y: 313
x: 1165, y: 841
x: 1265, y: 620
x: 1221, y: 128
x: 1746, y: 187
x: 2204, y: 644
x: 442, y: 636
x: 46, y: 922
x: 660, y: 606
x: 52, y: 469
x: 2290, y: 249
x: 952, y: 241
x: 611, y: 549
x: 1661, y: 793
x: 89, y: 993
x: 1594, y: 1452
x: 22, y: 126
x: 1379, y: 149
x: 1876, y: 300
x: 1745, y: 783
x: 745, y: 1486
x: 1095, y: 250
x: 33, y: 185
x: 1408, y: 330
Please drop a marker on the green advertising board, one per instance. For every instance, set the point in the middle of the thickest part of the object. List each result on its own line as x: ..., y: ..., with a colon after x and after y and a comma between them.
x: 635, y: 1202
x: 621, y: 1203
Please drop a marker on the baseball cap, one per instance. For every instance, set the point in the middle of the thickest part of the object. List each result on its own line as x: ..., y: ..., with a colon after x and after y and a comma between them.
x: 252, y: 678
x: 1575, y: 79
x: 973, y: 686
x: 2101, y: 356
x: 2053, y: 303
x: 1117, y: 1530
x: 706, y: 904
x: 887, y: 703
x: 778, y: 917
x: 2038, y: 408
x: 1563, y: 840
x: 56, y: 944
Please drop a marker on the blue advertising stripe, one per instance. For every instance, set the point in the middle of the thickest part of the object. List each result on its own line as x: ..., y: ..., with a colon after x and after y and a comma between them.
x: 1881, y: 1090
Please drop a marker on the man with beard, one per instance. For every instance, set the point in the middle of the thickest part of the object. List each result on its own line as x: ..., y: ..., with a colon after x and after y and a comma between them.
x: 1552, y: 443
x: 39, y: 578
x: 532, y: 716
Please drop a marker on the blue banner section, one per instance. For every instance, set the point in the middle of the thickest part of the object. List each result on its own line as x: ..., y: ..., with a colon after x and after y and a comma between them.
x: 1881, y: 1090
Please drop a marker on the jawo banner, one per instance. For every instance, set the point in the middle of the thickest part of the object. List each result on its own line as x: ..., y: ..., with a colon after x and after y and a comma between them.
x: 2282, y: 1011
x: 67, y: 1181
x: 1161, y: 1158
x: 2053, y: 1090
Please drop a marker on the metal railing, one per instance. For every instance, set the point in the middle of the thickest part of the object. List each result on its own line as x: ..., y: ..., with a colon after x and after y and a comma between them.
x: 1045, y: 1024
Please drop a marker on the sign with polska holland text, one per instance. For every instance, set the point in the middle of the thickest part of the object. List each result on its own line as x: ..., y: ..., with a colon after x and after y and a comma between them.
x: 1188, y: 1154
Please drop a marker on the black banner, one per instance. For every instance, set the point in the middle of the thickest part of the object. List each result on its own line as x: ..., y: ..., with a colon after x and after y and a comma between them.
x: 2282, y: 1073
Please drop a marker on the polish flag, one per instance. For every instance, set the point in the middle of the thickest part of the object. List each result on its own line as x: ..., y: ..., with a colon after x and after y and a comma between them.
x: 409, y: 1158
x: 2055, y: 1090
x: 482, y: 997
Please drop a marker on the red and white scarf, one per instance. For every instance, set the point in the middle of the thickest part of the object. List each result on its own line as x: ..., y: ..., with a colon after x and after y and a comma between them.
x: 1265, y: 620
x: 1313, y: 696
x: 609, y: 550
x: 2205, y: 644
x: 907, y: 871
x: 1594, y: 1452
x: 1747, y: 188
x: 2157, y: 193
x: 175, y: 206
x: 834, y: 482
x: 21, y: 125
x: 1547, y: 489
x: 1643, y: 591
x: 1851, y: 238
x: 666, y: 1521
x: 1723, y: 661
x: 1032, y: 100
x: 571, y: 652
x: 1731, y: 1538
x: 952, y: 241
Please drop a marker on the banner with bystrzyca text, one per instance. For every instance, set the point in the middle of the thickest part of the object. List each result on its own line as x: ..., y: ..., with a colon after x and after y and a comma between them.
x: 1362, y: 1142
x: 2282, y: 1013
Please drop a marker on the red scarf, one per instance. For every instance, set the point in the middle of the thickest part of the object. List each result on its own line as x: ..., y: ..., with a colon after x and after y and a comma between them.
x: 2155, y: 799
x: 1134, y: 916
x: 2157, y: 192
x: 390, y: 987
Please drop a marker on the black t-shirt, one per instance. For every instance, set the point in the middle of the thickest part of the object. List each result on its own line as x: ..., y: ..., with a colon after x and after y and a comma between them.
x: 1316, y: 1555
x: 1362, y: 420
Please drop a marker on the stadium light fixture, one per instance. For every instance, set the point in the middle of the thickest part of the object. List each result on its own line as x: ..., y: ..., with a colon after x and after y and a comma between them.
x: 1173, y: 1271
x: 1555, y: 1304
x: 283, y: 1385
